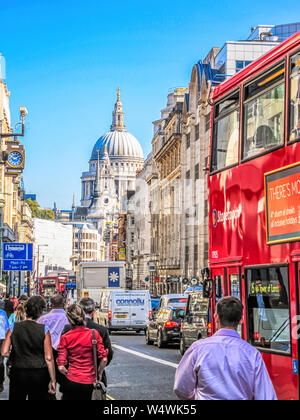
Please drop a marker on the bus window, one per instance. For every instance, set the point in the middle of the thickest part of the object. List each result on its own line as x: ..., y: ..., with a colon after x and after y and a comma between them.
x: 295, y: 98
x: 264, y: 113
x: 235, y: 286
x: 219, y: 288
x: 226, y: 133
x: 269, y: 308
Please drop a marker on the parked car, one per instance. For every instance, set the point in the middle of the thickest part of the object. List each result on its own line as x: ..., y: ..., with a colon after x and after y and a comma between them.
x: 173, y: 301
x: 196, y: 323
x: 164, y: 328
x: 124, y: 310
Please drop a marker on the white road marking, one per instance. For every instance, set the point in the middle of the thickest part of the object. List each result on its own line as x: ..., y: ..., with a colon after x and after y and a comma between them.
x: 145, y: 356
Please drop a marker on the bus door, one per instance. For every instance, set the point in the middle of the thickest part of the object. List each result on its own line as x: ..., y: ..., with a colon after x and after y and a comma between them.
x: 219, y: 290
x: 270, y: 297
x: 234, y: 287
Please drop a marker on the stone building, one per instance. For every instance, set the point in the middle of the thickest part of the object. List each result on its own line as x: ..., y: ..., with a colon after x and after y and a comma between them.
x: 140, y: 219
x: 165, y: 194
x: 15, y: 215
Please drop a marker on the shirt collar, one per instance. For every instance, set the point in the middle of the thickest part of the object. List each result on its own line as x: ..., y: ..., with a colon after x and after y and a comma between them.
x: 55, y: 311
x: 228, y: 333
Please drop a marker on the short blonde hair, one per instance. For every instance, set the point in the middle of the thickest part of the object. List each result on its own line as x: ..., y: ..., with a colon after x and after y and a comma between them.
x: 75, y: 315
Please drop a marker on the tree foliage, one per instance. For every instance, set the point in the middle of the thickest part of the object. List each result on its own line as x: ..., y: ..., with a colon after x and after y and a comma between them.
x: 38, y: 212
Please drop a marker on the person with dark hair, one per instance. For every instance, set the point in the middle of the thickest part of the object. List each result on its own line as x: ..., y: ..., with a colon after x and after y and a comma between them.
x: 75, y: 350
x: 28, y: 345
x: 8, y: 305
x: 88, y: 306
x: 224, y: 367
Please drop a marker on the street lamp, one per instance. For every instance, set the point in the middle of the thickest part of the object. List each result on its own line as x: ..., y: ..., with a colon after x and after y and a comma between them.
x: 38, y: 266
x: 23, y: 113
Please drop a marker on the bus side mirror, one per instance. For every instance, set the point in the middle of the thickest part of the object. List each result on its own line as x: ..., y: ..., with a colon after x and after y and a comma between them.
x: 207, y: 288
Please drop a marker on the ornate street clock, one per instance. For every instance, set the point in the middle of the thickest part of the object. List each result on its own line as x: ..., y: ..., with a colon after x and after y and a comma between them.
x: 15, y: 162
x: 15, y: 159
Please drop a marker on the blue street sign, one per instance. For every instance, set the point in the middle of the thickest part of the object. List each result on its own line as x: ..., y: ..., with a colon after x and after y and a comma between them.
x: 17, y: 257
x: 114, y: 277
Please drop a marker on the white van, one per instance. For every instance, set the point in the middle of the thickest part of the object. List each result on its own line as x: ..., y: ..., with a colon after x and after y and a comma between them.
x: 124, y: 310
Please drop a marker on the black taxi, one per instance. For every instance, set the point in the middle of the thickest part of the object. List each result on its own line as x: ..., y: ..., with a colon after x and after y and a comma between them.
x: 164, y: 328
x: 196, y: 323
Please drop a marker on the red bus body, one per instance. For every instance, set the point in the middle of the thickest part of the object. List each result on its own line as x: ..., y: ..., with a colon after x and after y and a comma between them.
x: 51, y: 286
x: 238, y: 228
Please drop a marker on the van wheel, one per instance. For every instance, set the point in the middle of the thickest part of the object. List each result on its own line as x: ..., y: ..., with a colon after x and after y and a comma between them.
x: 148, y: 341
x: 160, y: 343
x: 182, y: 347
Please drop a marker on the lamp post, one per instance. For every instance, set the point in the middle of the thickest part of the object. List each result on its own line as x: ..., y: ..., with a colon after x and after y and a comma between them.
x: 38, y: 267
x: 23, y: 113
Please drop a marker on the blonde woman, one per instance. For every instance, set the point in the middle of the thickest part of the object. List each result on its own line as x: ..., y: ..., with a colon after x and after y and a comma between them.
x: 75, y: 357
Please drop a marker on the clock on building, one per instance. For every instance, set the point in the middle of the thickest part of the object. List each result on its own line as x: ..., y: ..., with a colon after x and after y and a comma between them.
x: 15, y: 159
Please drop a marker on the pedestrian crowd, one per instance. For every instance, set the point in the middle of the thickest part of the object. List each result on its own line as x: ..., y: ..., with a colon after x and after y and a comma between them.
x: 66, y: 347
x: 52, y: 351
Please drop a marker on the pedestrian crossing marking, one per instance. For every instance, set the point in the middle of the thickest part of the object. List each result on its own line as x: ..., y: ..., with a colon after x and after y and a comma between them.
x: 145, y: 356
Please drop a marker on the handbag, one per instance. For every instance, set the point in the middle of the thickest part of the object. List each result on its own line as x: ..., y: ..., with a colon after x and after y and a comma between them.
x: 99, y: 391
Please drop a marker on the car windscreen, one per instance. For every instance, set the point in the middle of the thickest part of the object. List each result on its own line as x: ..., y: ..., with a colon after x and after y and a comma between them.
x: 178, y: 302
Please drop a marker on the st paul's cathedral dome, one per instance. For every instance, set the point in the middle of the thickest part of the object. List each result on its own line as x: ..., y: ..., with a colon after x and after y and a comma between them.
x: 125, y: 158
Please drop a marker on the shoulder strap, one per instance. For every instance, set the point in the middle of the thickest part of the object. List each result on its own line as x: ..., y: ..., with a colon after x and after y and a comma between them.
x: 94, y: 344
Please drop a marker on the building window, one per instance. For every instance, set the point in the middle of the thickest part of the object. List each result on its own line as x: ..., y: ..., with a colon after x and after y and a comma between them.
x: 188, y: 140
x: 197, y: 172
x: 196, y: 257
x: 188, y: 177
x: 240, y: 65
x: 187, y: 257
x: 207, y: 122
x: 132, y: 237
x: 197, y: 132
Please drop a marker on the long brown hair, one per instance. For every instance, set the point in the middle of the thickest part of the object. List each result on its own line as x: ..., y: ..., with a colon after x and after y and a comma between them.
x: 20, y: 311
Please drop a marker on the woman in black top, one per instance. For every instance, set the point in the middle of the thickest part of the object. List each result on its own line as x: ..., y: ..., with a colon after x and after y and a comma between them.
x: 29, y: 348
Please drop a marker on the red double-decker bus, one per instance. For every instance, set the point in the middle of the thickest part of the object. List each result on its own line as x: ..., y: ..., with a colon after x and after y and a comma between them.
x: 254, y: 207
x: 53, y: 285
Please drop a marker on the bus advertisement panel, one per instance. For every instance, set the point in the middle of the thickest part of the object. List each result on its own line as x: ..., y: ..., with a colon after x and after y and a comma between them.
x: 283, y: 205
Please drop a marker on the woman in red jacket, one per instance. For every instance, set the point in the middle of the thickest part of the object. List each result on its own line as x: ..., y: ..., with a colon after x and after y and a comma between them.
x: 75, y: 357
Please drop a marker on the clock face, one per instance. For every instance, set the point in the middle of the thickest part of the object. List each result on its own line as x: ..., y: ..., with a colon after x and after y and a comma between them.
x: 15, y: 159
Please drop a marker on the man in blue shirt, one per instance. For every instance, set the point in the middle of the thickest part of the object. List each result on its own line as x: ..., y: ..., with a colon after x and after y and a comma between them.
x: 4, y: 325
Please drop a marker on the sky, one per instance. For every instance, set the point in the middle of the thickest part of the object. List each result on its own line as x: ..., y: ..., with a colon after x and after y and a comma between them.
x: 65, y: 60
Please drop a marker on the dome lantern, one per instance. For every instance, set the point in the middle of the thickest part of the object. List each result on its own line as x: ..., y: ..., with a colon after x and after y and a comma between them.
x: 118, y: 143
